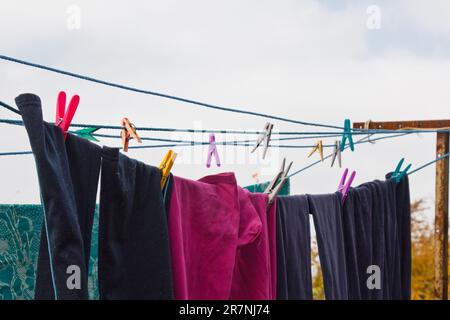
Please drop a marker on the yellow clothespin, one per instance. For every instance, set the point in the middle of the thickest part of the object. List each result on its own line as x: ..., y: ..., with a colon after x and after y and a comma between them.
x: 166, y: 165
x: 318, y: 147
x: 128, y: 131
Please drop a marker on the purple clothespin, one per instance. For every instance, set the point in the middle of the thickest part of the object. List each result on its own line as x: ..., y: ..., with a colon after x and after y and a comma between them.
x: 343, y: 187
x: 212, y: 150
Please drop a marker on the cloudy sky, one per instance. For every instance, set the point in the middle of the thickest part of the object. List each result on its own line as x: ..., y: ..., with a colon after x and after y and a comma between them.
x: 312, y: 60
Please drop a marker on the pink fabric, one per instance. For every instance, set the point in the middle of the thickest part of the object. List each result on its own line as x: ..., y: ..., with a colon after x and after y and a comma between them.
x: 222, y: 240
x: 203, y: 229
x: 255, y: 271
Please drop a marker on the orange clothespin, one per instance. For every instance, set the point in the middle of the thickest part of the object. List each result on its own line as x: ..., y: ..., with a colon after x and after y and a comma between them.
x: 317, y: 148
x: 166, y: 165
x: 128, y: 131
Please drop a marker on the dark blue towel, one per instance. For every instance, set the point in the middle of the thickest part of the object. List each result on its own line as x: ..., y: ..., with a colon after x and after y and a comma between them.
x: 328, y: 221
x: 134, y: 255
x: 372, y: 228
x: 293, y: 249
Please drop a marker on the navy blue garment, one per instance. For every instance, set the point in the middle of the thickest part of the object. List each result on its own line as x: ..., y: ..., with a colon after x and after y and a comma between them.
x: 358, y: 234
x: 294, y: 280
x: 328, y: 221
x: 68, y: 177
x: 134, y: 253
x: 399, y: 244
x: 372, y: 228
x: 403, y: 213
x: 363, y: 229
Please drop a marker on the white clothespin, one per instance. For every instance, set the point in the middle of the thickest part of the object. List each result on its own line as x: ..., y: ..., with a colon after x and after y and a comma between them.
x: 337, y: 153
x: 265, y: 136
x: 273, y: 188
x: 367, y: 127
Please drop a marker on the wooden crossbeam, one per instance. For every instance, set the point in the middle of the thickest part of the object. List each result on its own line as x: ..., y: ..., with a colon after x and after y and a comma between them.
x: 398, y: 125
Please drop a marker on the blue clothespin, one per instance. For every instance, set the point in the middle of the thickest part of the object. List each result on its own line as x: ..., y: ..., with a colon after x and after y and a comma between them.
x: 347, y: 135
x: 398, y: 175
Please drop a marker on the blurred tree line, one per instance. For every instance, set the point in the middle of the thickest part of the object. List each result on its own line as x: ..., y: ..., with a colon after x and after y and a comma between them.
x: 422, y: 257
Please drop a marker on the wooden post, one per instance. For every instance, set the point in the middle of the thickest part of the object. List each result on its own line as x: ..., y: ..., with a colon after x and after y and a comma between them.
x: 441, y: 220
x: 442, y: 180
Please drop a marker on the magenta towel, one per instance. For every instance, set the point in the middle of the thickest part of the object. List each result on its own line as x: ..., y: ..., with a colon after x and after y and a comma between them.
x: 255, y: 271
x: 222, y: 240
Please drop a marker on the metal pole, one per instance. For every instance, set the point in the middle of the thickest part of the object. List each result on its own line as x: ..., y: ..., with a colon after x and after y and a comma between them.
x: 441, y: 220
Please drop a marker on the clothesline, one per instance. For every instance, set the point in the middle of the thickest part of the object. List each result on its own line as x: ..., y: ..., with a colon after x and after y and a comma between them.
x: 162, y: 95
x: 291, y: 175
x: 360, y: 141
x: 369, y: 133
x: 191, y: 143
x: 322, y: 134
x: 185, y: 143
x: 190, y: 101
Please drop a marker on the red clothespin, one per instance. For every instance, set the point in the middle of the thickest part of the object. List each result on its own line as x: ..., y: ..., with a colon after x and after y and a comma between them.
x: 212, y: 151
x: 343, y: 186
x: 128, y: 131
x: 64, y: 116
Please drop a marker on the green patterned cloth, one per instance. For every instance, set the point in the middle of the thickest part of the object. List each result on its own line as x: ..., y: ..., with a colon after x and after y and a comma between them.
x: 20, y: 233
x: 260, y: 187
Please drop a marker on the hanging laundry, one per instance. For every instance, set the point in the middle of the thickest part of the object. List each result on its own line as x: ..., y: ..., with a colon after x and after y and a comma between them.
x: 403, y: 210
x: 222, y: 240
x: 68, y: 186
x: 134, y: 255
x: 255, y: 270
x: 327, y: 214
x: 203, y: 228
x: 369, y: 235
x: 261, y: 187
x: 391, y: 218
x: 294, y: 279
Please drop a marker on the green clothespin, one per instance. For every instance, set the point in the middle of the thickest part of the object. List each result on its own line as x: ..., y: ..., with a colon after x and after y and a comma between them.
x: 86, y: 133
x: 347, y: 135
x: 398, y: 175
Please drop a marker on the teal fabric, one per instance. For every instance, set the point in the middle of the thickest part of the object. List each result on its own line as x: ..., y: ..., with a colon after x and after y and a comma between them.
x: 260, y: 187
x: 20, y: 232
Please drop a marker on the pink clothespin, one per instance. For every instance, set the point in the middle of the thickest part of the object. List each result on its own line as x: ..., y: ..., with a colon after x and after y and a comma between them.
x: 212, y: 150
x: 64, y: 117
x: 343, y: 187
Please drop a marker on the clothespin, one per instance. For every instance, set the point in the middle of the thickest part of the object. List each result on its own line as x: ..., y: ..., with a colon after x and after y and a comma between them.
x: 343, y: 185
x: 317, y: 148
x: 86, y: 133
x: 347, y: 135
x: 128, y: 131
x: 64, y: 116
x: 212, y: 151
x: 398, y: 175
x: 166, y: 165
x: 265, y: 136
x: 337, y: 154
x: 273, y: 188
x: 367, y: 127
